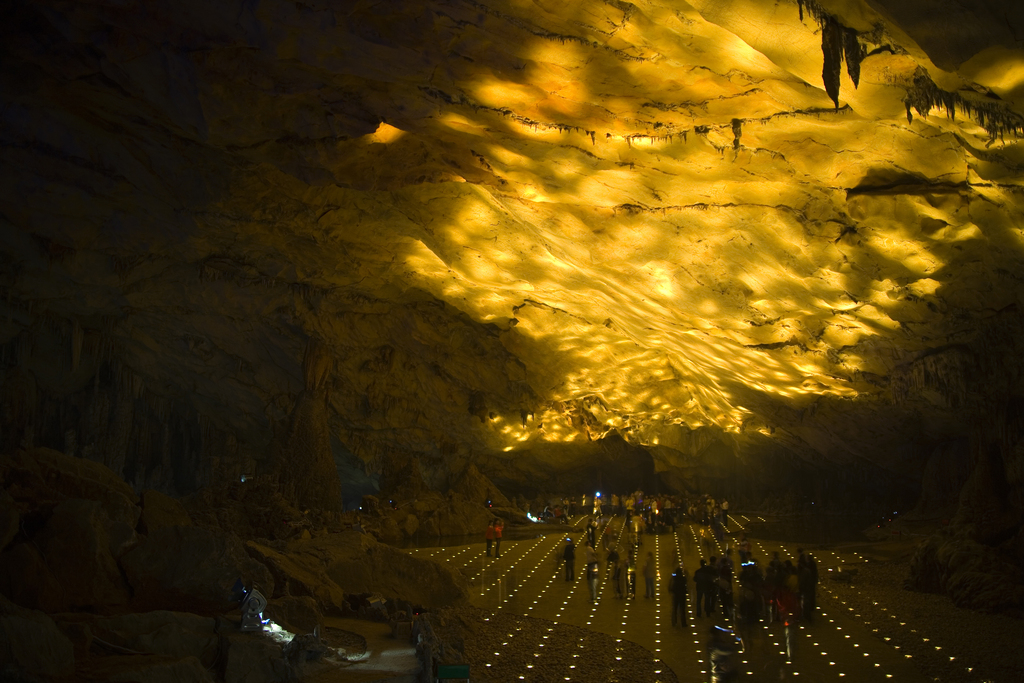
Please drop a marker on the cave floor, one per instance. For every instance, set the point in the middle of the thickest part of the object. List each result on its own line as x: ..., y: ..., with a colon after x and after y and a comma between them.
x: 528, y: 580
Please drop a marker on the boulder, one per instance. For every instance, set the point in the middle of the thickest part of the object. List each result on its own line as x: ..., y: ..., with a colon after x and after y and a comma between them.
x: 76, y: 546
x: 367, y: 566
x: 253, y: 658
x: 297, y: 614
x: 972, y: 574
x: 160, y: 510
x: 25, y: 579
x: 179, y: 635
x: 158, y: 670
x: 300, y: 575
x: 191, y: 568
x: 42, y: 474
x: 31, y: 645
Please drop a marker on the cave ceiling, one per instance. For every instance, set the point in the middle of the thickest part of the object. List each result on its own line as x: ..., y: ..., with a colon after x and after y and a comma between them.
x: 520, y: 225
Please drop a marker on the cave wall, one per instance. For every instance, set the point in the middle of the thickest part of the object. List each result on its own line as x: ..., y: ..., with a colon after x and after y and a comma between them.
x: 562, y: 242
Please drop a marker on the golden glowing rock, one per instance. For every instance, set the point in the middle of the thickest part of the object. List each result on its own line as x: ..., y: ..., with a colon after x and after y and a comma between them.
x: 519, y: 224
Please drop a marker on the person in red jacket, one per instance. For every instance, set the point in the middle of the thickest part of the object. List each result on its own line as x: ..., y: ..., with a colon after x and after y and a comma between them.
x: 499, y: 526
x: 489, y: 537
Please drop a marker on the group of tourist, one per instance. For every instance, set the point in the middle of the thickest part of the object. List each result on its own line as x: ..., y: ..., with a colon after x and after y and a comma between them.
x: 744, y: 594
x: 492, y: 536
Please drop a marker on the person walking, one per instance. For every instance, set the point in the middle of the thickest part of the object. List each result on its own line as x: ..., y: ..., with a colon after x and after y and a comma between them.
x: 678, y: 586
x: 725, y: 584
x: 489, y: 537
x: 650, y: 571
x: 725, y: 513
x: 569, y: 556
x: 615, y: 565
x: 499, y: 526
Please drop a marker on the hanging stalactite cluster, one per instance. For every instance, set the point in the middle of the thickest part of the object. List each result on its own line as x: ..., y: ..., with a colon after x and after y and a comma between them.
x: 839, y: 43
x: 923, y: 96
x: 946, y: 373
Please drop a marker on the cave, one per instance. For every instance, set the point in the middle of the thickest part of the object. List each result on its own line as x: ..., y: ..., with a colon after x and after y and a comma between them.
x: 298, y: 298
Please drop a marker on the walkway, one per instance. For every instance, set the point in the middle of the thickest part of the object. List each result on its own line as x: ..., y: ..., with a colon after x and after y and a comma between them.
x: 527, y: 579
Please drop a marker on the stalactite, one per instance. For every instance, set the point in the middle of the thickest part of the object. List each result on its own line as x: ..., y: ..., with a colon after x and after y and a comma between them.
x: 832, y: 50
x: 853, y: 53
x: 996, y: 118
x: 838, y: 43
x: 947, y: 373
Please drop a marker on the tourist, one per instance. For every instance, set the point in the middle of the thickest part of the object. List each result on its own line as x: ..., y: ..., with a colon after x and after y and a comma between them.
x: 569, y: 556
x: 489, y: 537
x: 704, y: 588
x: 750, y: 592
x: 499, y: 526
x: 613, y: 558
x: 592, y: 571
x: 621, y: 577
x: 650, y: 571
x: 723, y: 652
x: 744, y: 548
x: 725, y: 513
x: 725, y: 572
x: 808, y: 588
x: 678, y: 587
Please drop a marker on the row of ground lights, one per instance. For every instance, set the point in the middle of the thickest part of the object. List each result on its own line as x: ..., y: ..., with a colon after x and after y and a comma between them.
x: 824, y: 614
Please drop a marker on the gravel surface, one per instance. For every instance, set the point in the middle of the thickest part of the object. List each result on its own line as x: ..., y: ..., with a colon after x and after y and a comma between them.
x: 931, y: 629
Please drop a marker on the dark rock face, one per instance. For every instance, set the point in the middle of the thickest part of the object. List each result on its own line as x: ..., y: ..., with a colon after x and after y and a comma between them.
x: 972, y: 574
x: 321, y: 567
x: 31, y: 646
x: 80, y: 546
x: 189, y: 567
x: 977, y: 560
x: 296, y: 614
x: 27, y: 580
x: 297, y: 575
x: 160, y: 510
x: 178, y: 635
x: 42, y: 474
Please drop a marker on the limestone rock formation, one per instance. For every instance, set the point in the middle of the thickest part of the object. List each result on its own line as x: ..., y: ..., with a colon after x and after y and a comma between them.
x: 297, y: 575
x: 296, y: 614
x: 31, y: 646
x: 327, y: 567
x: 81, y: 546
x: 178, y: 635
x: 160, y: 510
x: 44, y: 475
x: 191, y: 568
x: 300, y: 243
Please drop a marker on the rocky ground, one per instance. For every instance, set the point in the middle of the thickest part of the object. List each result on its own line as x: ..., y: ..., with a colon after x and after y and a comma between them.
x: 949, y: 644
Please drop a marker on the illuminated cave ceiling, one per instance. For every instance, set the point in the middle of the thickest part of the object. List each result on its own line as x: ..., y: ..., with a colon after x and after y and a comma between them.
x: 515, y: 224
